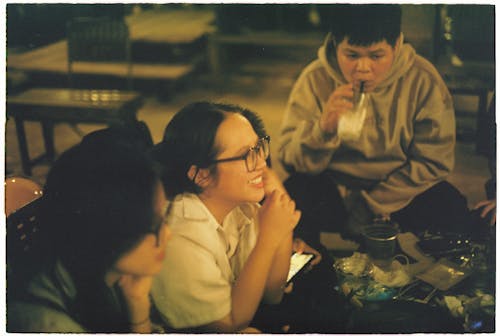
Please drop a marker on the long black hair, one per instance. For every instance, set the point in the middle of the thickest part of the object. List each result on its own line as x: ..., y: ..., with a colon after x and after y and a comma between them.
x: 189, y: 139
x: 97, y: 205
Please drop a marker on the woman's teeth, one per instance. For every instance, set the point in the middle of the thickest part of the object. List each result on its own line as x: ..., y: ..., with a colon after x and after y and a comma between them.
x: 256, y: 180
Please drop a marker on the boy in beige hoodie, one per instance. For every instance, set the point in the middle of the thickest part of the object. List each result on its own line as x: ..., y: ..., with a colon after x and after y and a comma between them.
x: 397, y: 165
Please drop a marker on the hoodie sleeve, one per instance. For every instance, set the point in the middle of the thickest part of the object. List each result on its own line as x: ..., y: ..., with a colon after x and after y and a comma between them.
x: 430, y: 156
x: 303, y: 146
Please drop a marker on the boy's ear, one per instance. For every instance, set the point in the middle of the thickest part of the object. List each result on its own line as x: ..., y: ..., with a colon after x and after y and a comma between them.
x: 200, y: 176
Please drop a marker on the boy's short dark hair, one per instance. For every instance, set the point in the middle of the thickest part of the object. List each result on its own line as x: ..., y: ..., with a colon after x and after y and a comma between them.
x: 364, y: 25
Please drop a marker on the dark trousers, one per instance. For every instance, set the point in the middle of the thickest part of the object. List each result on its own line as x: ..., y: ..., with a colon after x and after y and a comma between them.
x: 440, y: 209
x: 315, y: 304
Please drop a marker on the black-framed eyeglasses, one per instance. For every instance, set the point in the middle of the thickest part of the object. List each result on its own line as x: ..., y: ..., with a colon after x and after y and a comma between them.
x: 262, y: 150
x: 156, y: 229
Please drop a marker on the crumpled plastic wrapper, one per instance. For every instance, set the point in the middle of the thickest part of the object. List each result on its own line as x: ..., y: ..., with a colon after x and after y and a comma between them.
x: 396, y: 276
x: 358, y: 264
x: 454, y: 305
x: 461, y: 305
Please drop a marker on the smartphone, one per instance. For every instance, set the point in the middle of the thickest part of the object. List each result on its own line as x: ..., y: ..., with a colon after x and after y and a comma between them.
x: 297, y: 264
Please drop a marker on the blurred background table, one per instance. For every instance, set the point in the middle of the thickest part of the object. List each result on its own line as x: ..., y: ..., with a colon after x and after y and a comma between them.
x: 49, y: 106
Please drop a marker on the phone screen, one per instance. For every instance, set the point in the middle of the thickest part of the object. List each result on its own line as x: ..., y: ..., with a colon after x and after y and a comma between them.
x: 297, y: 262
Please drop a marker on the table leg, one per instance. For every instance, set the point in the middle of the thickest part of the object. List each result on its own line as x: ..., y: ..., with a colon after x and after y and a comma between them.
x: 48, y: 139
x: 23, y: 146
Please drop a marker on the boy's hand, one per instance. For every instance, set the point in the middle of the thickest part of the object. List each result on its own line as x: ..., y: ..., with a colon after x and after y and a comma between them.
x: 339, y: 102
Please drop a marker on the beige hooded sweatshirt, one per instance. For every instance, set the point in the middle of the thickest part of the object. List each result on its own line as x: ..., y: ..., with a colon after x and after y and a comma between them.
x: 407, y: 141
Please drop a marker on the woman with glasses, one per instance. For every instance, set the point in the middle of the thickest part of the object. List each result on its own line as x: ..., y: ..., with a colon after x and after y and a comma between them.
x: 104, y: 232
x: 229, y: 252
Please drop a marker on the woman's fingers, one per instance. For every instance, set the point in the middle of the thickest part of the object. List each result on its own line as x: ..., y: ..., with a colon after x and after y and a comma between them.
x: 481, y: 204
x: 298, y: 245
x: 486, y: 210
x: 301, y: 246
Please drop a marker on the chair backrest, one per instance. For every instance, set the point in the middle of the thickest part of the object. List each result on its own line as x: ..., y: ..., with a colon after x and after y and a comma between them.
x: 98, y: 39
x: 20, y: 191
x: 23, y: 237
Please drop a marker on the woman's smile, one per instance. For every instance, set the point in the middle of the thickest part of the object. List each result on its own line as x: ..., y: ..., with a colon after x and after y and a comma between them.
x: 257, y: 182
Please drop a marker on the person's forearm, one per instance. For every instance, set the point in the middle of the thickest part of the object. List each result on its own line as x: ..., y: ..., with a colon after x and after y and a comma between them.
x: 306, y: 148
x: 139, y: 310
x: 248, y: 290
x: 143, y: 327
x: 303, y: 145
x: 279, y: 271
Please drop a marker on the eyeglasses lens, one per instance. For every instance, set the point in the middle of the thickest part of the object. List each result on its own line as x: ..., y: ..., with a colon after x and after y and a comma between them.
x: 261, y: 150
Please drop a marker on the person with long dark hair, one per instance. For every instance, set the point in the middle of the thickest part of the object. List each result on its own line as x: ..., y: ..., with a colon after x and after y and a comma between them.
x: 229, y: 252
x: 103, y: 237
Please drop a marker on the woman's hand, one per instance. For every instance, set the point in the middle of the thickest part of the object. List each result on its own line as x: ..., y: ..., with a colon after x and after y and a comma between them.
x: 135, y: 287
x: 339, y: 102
x: 277, y: 216
x: 135, y: 290
x: 488, y: 206
x: 271, y: 181
x: 300, y: 246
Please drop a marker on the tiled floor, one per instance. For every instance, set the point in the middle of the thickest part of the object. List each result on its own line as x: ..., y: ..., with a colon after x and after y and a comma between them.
x: 266, y: 95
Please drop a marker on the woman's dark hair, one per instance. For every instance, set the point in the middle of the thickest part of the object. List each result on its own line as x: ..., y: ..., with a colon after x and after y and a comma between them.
x: 98, y: 201
x: 189, y: 139
x: 363, y: 25
x: 97, y: 205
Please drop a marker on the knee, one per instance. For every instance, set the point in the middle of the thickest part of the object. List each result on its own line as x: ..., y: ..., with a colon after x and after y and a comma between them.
x: 443, y: 195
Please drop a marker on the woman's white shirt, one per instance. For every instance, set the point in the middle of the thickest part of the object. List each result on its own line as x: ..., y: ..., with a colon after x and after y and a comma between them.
x: 202, y: 261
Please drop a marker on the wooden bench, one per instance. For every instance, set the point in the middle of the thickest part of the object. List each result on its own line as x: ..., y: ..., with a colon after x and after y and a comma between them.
x: 49, y: 106
x: 272, y: 39
x: 53, y: 59
x: 157, y: 28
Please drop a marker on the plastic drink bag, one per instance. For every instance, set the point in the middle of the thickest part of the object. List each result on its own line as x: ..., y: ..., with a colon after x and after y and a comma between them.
x: 351, y: 123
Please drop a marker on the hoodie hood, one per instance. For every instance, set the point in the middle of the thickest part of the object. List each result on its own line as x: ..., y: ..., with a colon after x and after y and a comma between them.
x: 403, y: 61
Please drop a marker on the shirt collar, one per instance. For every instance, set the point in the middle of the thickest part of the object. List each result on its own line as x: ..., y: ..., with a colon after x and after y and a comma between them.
x: 194, y: 209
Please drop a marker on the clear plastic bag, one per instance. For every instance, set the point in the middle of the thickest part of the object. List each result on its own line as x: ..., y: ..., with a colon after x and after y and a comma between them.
x: 351, y: 123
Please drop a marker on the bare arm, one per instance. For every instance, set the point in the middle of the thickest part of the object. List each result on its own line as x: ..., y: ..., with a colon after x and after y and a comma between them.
x: 281, y: 261
x: 136, y: 290
x: 278, y: 218
x: 277, y: 277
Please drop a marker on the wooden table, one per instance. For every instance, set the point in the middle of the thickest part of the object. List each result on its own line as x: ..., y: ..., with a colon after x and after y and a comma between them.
x: 50, y: 106
x: 476, y: 79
